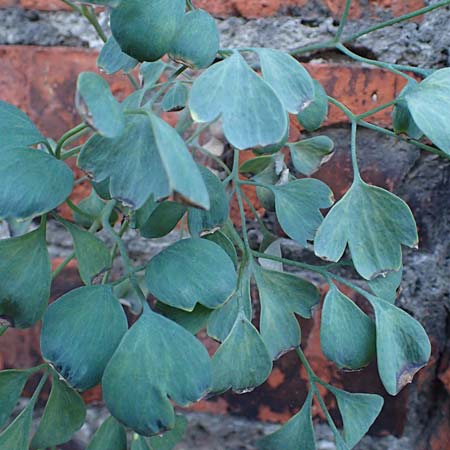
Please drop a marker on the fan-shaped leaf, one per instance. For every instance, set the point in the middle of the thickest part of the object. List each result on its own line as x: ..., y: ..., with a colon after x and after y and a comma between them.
x: 252, y: 114
x: 181, y: 275
x: 80, y: 332
x: 374, y: 223
x: 309, y: 154
x: 111, y: 435
x: 159, y: 359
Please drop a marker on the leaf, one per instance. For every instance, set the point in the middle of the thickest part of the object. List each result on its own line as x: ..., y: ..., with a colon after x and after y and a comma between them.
x: 251, y: 112
x: 16, y: 129
x: 111, y: 435
x: 180, y: 275
x: 312, y: 117
x: 110, y: 3
x: 97, y: 105
x: 93, y: 256
x: 358, y: 412
x: 148, y: 158
x: 288, y: 78
x: 374, y: 223
x: 175, y: 98
x: 298, y: 207
x: 309, y: 154
x: 347, y: 335
x: 18, y: 227
x: 162, y: 220
x: 93, y: 206
x: 386, y: 287
x: 171, y: 438
x: 296, y: 434
x: 112, y: 59
x: 12, y: 383
x: 151, y: 72
x: 429, y: 104
x: 281, y: 295
x: 25, y: 278
x: 80, y: 332
x: 197, y: 40
x: 225, y: 242
x: 193, y: 321
x: 242, y: 362
x: 139, y: 443
x: 273, y: 249
x: 255, y: 165
x: 24, y: 191
x: 402, y: 120
x: 159, y: 359
x: 403, y: 347
x: 217, y: 214
x: 64, y: 414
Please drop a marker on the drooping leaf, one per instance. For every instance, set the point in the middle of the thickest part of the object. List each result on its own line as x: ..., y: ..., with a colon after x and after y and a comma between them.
x: 93, y: 206
x: 298, y: 207
x: 145, y: 30
x: 347, y: 335
x: 12, y: 383
x: 193, y: 321
x: 16, y: 129
x: 312, y: 117
x: 112, y: 59
x: 180, y: 275
x: 402, y: 120
x: 93, y: 255
x: 429, y: 103
x: 242, y: 362
x: 403, y: 347
x: 273, y: 148
x: 151, y: 72
x: 386, y: 287
x: 111, y: 435
x: 358, y: 412
x: 217, y: 214
x: 175, y: 98
x: 197, y: 40
x: 255, y: 165
x: 374, y: 223
x: 288, y: 78
x: 281, y: 295
x: 225, y: 242
x: 159, y: 359
x: 251, y: 112
x: 80, y: 332
x: 148, y: 158
x: 31, y: 183
x: 309, y: 154
x: 64, y: 414
x: 296, y: 434
x: 25, y: 277
x: 162, y: 220
x: 97, y: 105
x: 171, y: 438
x: 222, y: 319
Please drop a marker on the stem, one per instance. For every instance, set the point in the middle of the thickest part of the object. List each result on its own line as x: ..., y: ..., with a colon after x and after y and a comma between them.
x: 356, y: 173
x: 92, y: 18
x: 122, y: 230
x: 313, y: 48
x: 73, y: 6
x: 125, y: 277
x: 376, y: 109
x: 213, y: 157
x: 66, y: 136
x: 234, y: 235
x: 261, y: 224
x: 396, y: 20
x: 343, y: 20
x: 72, y: 152
x: 342, y: 107
x: 78, y: 210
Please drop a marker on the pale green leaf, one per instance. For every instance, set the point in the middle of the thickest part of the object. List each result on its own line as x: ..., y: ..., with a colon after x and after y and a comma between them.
x: 111, y: 435
x: 112, y: 59
x: 312, y: 117
x: 170, y: 438
x: 402, y: 120
x: 309, y: 154
x: 175, y: 98
x: 162, y: 220
x: 225, y: 242
x: 386, y: 287
x: 193, y: 321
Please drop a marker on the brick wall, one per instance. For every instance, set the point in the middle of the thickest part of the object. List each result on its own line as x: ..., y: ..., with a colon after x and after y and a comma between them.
x: 41, y: 80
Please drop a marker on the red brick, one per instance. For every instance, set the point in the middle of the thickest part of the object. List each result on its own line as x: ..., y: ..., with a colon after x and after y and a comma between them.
x: 44, y: 5
x: 8, y: 3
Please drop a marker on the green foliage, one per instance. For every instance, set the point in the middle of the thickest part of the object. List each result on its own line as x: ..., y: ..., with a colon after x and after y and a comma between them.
x: 145, y: 175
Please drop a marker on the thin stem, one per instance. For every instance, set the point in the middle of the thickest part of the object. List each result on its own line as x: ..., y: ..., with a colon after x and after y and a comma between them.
x: 234, y: 235
x: 73, y: 6
x: 72, y: 152
x: 92, y: 18
x: 313, y: 48
x: 213, y: 157
x: 78, y: 210
x: 66, y: 136
x: 373, y: 111
x: 356, y: 173
x: 48, y: 147
x: 122, y: 230
x: 3, y: 330
x: 126, y: 277
x: 342, y: 107
x: 343, y: 20
x: 261, y: 224
x: 396, y: 20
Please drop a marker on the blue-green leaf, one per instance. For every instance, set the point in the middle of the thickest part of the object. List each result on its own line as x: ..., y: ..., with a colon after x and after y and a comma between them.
x: 175, y: 98
x: 251, y: 112
x: 309, y: 154
x: 17, y: 435
x: 193, y: 321
x: 347, y: 335
x: 403, y: 347
x: 139, y: 443
x: 225, y: 242
x: 31, y: 183
x: 296, y: 434
x: 151, y: 72
x: 12, y: 383
x: 298, y: 207
x: 402, y: 120
x: 111, y: 435
x: 25, y: 277
x: 16, y: 129
x: 282, y: 295
x: 181, y: 275
x: 242, y: 362
x: 386, y: 287
x: 162, y: 220
x: 148, y: 158
x: 374, y: 223
x: 158, y: 358
x: 312, y: 117
x: 80, y: 332
x: 429, y: 104
x: 64, y: 414
x: 112, y: 58
x: 171, y: 438
x: 288, y: 78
